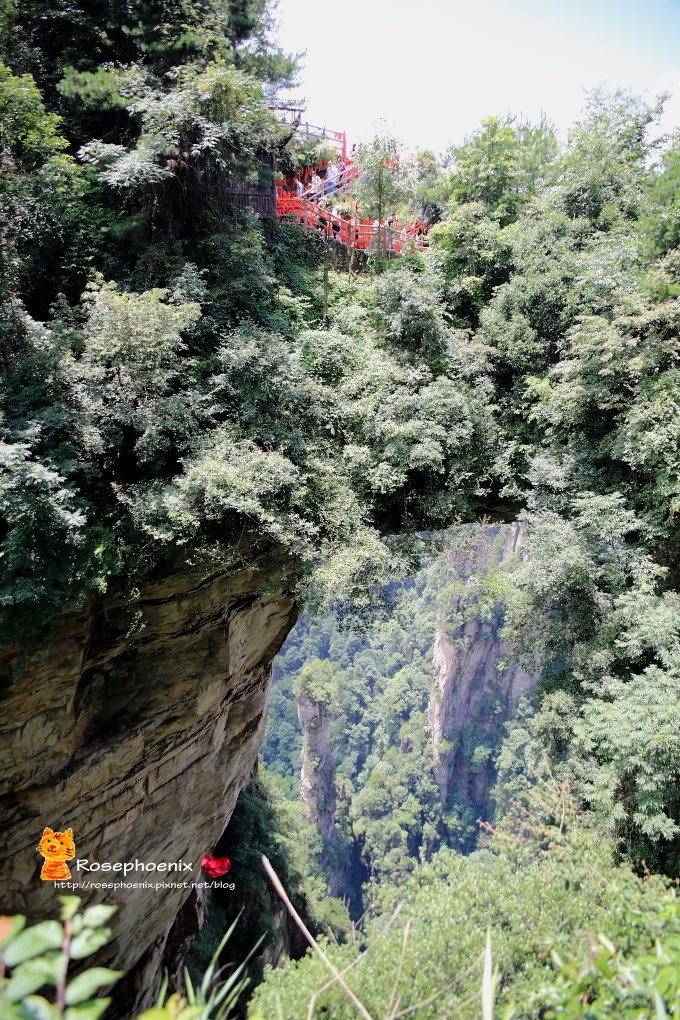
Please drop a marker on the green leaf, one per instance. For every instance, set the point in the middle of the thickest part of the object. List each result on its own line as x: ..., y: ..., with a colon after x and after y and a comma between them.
x: 89, y: 941
x: 88, y: 1010
x: 33, y: 974
x: 69, y: 906
x: 34, y: 941
x: 162, y: 990
x: 86, y: 984
x: 34, y: 1007
x: 97, y: 915
x: 191, y: 994
x: 215, y: 959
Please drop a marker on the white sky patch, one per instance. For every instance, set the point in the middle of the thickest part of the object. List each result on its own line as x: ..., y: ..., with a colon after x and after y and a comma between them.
x: 671, y: 115
x: 430, y: 70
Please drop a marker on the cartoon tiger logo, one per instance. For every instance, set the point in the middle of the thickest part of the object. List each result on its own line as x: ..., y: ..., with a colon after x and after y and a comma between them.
x: 56, y: 848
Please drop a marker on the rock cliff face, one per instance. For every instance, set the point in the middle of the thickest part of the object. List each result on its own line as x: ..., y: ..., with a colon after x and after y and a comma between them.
x: 137, y: 724
x: 317, y: 786
x: 470, y: 696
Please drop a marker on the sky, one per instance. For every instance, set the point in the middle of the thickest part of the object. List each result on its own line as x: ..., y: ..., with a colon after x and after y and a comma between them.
x: 428, y: 71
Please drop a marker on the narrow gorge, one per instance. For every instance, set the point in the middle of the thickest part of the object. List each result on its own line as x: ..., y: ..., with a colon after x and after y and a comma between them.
x: 150, y: 710
x: 398, y: 728
x: 338, y: 516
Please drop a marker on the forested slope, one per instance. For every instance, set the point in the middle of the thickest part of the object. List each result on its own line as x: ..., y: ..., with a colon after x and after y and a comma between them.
x: 179, y: 394
x: 570, y: 287
x: 404, y: 762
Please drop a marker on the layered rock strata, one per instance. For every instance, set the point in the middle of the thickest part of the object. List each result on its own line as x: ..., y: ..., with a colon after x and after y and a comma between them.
x: 136, y: 724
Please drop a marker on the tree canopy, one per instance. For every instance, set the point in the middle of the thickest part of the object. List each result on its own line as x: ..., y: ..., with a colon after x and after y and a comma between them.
x: 173, y: 379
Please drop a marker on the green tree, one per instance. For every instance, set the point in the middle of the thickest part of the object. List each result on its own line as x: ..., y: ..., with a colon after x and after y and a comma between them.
x: 386, y: 179
x: 502, y: 165
x: 420, y: 945
x: 660, y: 220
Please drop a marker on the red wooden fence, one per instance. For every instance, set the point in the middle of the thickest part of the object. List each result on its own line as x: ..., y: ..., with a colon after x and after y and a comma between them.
x: 363, y: 234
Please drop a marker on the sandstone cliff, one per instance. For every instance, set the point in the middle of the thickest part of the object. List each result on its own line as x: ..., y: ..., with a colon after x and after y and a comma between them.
x: 317, y: 787
x: 471, y: 695
x: 137, y: 724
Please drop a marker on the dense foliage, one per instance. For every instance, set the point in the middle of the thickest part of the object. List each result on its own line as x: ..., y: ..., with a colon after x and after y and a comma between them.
x: 166, y: 382
x: 568, y: 281
x: 45, y: 956
x: 173, y: 382
x: 376, y: 691
x: 569, y: 932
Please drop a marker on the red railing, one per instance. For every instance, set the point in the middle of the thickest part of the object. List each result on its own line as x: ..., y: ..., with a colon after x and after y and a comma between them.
x: 307, y: 210
x: 399, y: 239
x: 339, y: 184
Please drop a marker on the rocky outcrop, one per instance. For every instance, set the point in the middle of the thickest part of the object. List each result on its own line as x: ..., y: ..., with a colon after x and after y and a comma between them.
x: 317, y: 786
x: 137, y: 724
x: 473, y: 691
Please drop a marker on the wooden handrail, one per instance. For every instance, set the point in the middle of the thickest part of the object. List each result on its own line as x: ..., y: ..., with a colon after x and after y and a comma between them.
x: 306, y: 209
x: 353, y: 234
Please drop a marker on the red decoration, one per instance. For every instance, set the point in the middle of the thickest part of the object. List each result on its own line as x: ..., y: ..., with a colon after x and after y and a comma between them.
x: 215, y: 866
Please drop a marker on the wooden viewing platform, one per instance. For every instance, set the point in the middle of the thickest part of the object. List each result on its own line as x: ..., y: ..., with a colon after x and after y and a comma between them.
x: 309, y: 209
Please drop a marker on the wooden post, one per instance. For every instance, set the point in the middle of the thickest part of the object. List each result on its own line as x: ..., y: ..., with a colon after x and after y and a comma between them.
x: 325, y: 283
x: 380, y: 207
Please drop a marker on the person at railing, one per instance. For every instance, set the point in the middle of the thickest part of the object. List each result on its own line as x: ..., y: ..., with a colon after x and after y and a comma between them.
x: 331, y: 174
x: 317, y: 187
x: 299, y: 187
x: 391, y: 233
